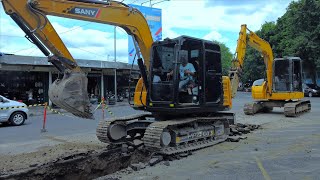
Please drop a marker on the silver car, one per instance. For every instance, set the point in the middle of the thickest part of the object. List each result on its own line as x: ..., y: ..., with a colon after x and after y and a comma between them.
x: 12, y: 112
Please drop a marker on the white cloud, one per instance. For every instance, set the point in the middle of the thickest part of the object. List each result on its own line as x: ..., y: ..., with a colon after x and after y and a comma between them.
x: 214, y: 35
x: 197, y: 15
x: 82, y: 43
x: 8, y: 28
x: 93, y: 44
x: 168, y: 33
x: 178, y: 15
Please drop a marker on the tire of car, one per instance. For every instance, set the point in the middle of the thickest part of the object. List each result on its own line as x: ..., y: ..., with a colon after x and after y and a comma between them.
x: 310, y: 94
x: 17, y: 118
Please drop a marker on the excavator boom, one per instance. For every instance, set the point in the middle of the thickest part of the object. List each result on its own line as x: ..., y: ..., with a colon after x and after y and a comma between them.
x: 257, y: 43
x: 70, y: 92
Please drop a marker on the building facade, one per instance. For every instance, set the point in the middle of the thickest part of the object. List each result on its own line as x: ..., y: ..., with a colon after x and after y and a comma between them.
x: 27, y: 79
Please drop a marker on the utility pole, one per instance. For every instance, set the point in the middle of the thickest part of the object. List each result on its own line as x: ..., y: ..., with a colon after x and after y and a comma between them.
x: 115, y: 60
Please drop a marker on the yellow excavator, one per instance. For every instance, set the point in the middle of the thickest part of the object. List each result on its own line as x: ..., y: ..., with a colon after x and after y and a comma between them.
x: 185, y: 114
x: 283, y: 84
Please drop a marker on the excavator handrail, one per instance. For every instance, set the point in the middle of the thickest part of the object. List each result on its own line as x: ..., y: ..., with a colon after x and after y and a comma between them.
x: 253, y: 40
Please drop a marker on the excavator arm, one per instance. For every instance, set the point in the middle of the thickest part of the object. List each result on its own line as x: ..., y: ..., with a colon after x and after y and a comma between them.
x: 70, y: 93
x: 260, y: 45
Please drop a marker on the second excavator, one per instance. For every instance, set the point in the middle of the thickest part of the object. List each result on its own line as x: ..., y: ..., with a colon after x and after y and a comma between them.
x: 181, y: 80
x: 283, y: 84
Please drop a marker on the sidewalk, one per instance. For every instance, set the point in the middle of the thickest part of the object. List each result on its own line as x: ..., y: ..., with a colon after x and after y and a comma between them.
x: 39, y: 110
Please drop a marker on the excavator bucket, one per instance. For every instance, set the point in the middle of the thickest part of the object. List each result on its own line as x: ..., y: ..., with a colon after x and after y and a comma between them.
x: 70, y: 93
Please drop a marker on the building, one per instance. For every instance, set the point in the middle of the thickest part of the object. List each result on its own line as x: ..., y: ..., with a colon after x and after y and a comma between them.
x: 24, y: 76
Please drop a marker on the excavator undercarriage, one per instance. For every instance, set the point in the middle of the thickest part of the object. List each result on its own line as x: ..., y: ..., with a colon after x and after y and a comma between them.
x: 291, y: 108
x: 175, y: 135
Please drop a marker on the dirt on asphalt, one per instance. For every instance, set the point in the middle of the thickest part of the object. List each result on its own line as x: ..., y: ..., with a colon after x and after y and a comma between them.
x: 21, y: 161
x: 79, y: 160
x: 86, y: 165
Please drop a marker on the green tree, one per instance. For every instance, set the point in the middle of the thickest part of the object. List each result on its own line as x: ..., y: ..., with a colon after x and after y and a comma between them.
x: 226, y: 57
x: 298, y: 33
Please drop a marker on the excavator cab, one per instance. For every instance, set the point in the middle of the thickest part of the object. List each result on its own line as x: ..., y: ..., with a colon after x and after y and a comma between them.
x: 185, y: 73
x: 286, y: 80
x: 287, y: 75
x: 286, y: 89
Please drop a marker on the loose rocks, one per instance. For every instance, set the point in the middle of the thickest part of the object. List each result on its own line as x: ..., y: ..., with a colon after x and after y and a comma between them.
x: 166, y: 163
x: 155, y: 160
x: 234, y: 138
x: 184, y: 154
x: 138, y: 166
x: 239, y: 129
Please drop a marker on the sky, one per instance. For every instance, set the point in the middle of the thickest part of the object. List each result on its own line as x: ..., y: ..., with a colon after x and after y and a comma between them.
x: 207, y: 19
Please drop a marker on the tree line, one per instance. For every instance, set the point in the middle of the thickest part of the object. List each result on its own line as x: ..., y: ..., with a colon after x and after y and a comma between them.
x: 296, y: 33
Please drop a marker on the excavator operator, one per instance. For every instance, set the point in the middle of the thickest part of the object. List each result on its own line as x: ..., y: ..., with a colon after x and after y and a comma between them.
x: 186, y: 72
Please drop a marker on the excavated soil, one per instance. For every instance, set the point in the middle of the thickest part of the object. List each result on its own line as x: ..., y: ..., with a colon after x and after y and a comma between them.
x: 93, y: 164
x: 82, y: 166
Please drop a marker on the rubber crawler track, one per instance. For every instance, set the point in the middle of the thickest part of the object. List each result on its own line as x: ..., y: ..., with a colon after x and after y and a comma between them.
x: 152, y: 135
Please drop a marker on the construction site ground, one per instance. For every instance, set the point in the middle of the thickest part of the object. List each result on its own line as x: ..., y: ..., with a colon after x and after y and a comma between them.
x: 284, y: 148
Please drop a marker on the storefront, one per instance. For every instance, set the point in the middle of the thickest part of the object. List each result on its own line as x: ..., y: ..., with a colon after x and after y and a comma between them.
x: 27, y: 87
x: 27, y: 79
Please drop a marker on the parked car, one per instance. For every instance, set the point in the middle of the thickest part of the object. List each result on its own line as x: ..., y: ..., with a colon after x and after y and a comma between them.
x: 93, y: 99
x: 311, y: 90
x: 13, y: 112
x: 111, y: 98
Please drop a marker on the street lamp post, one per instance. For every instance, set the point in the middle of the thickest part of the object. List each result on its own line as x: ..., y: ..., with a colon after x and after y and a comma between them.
x: 148, y: 1
x: 115, y: 60
x: 157, y: 2
x: 151, y: 4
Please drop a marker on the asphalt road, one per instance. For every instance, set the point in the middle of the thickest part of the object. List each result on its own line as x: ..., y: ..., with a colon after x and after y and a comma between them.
x: 58, y: 125
x: 286, y: 148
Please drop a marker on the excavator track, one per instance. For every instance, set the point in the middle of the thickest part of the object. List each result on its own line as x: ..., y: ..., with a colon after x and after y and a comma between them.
x: 103, y: 127
x: 293, y: 109
x: 251, y: 108
x: 167, y: 137
x: 154, y: 134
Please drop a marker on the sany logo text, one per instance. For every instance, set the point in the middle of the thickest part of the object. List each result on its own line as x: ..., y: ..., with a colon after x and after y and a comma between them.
x: 85, y: 11
x: 89, y: 12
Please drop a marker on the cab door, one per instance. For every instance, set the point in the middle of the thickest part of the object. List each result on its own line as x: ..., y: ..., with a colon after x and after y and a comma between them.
x: 213, y: 76
x: 3, y: 112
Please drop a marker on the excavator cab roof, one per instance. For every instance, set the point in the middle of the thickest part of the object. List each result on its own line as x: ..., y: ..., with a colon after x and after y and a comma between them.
x: 179, y: 38
x: 287, y: 58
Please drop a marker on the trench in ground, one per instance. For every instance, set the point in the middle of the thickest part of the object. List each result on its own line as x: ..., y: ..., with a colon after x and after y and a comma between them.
x: 83, y: 166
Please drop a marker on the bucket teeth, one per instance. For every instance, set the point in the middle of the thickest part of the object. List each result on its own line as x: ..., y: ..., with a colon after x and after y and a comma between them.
x: 70, y: 93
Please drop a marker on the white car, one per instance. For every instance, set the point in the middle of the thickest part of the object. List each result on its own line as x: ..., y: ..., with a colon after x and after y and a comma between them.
x: 13, y: 112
